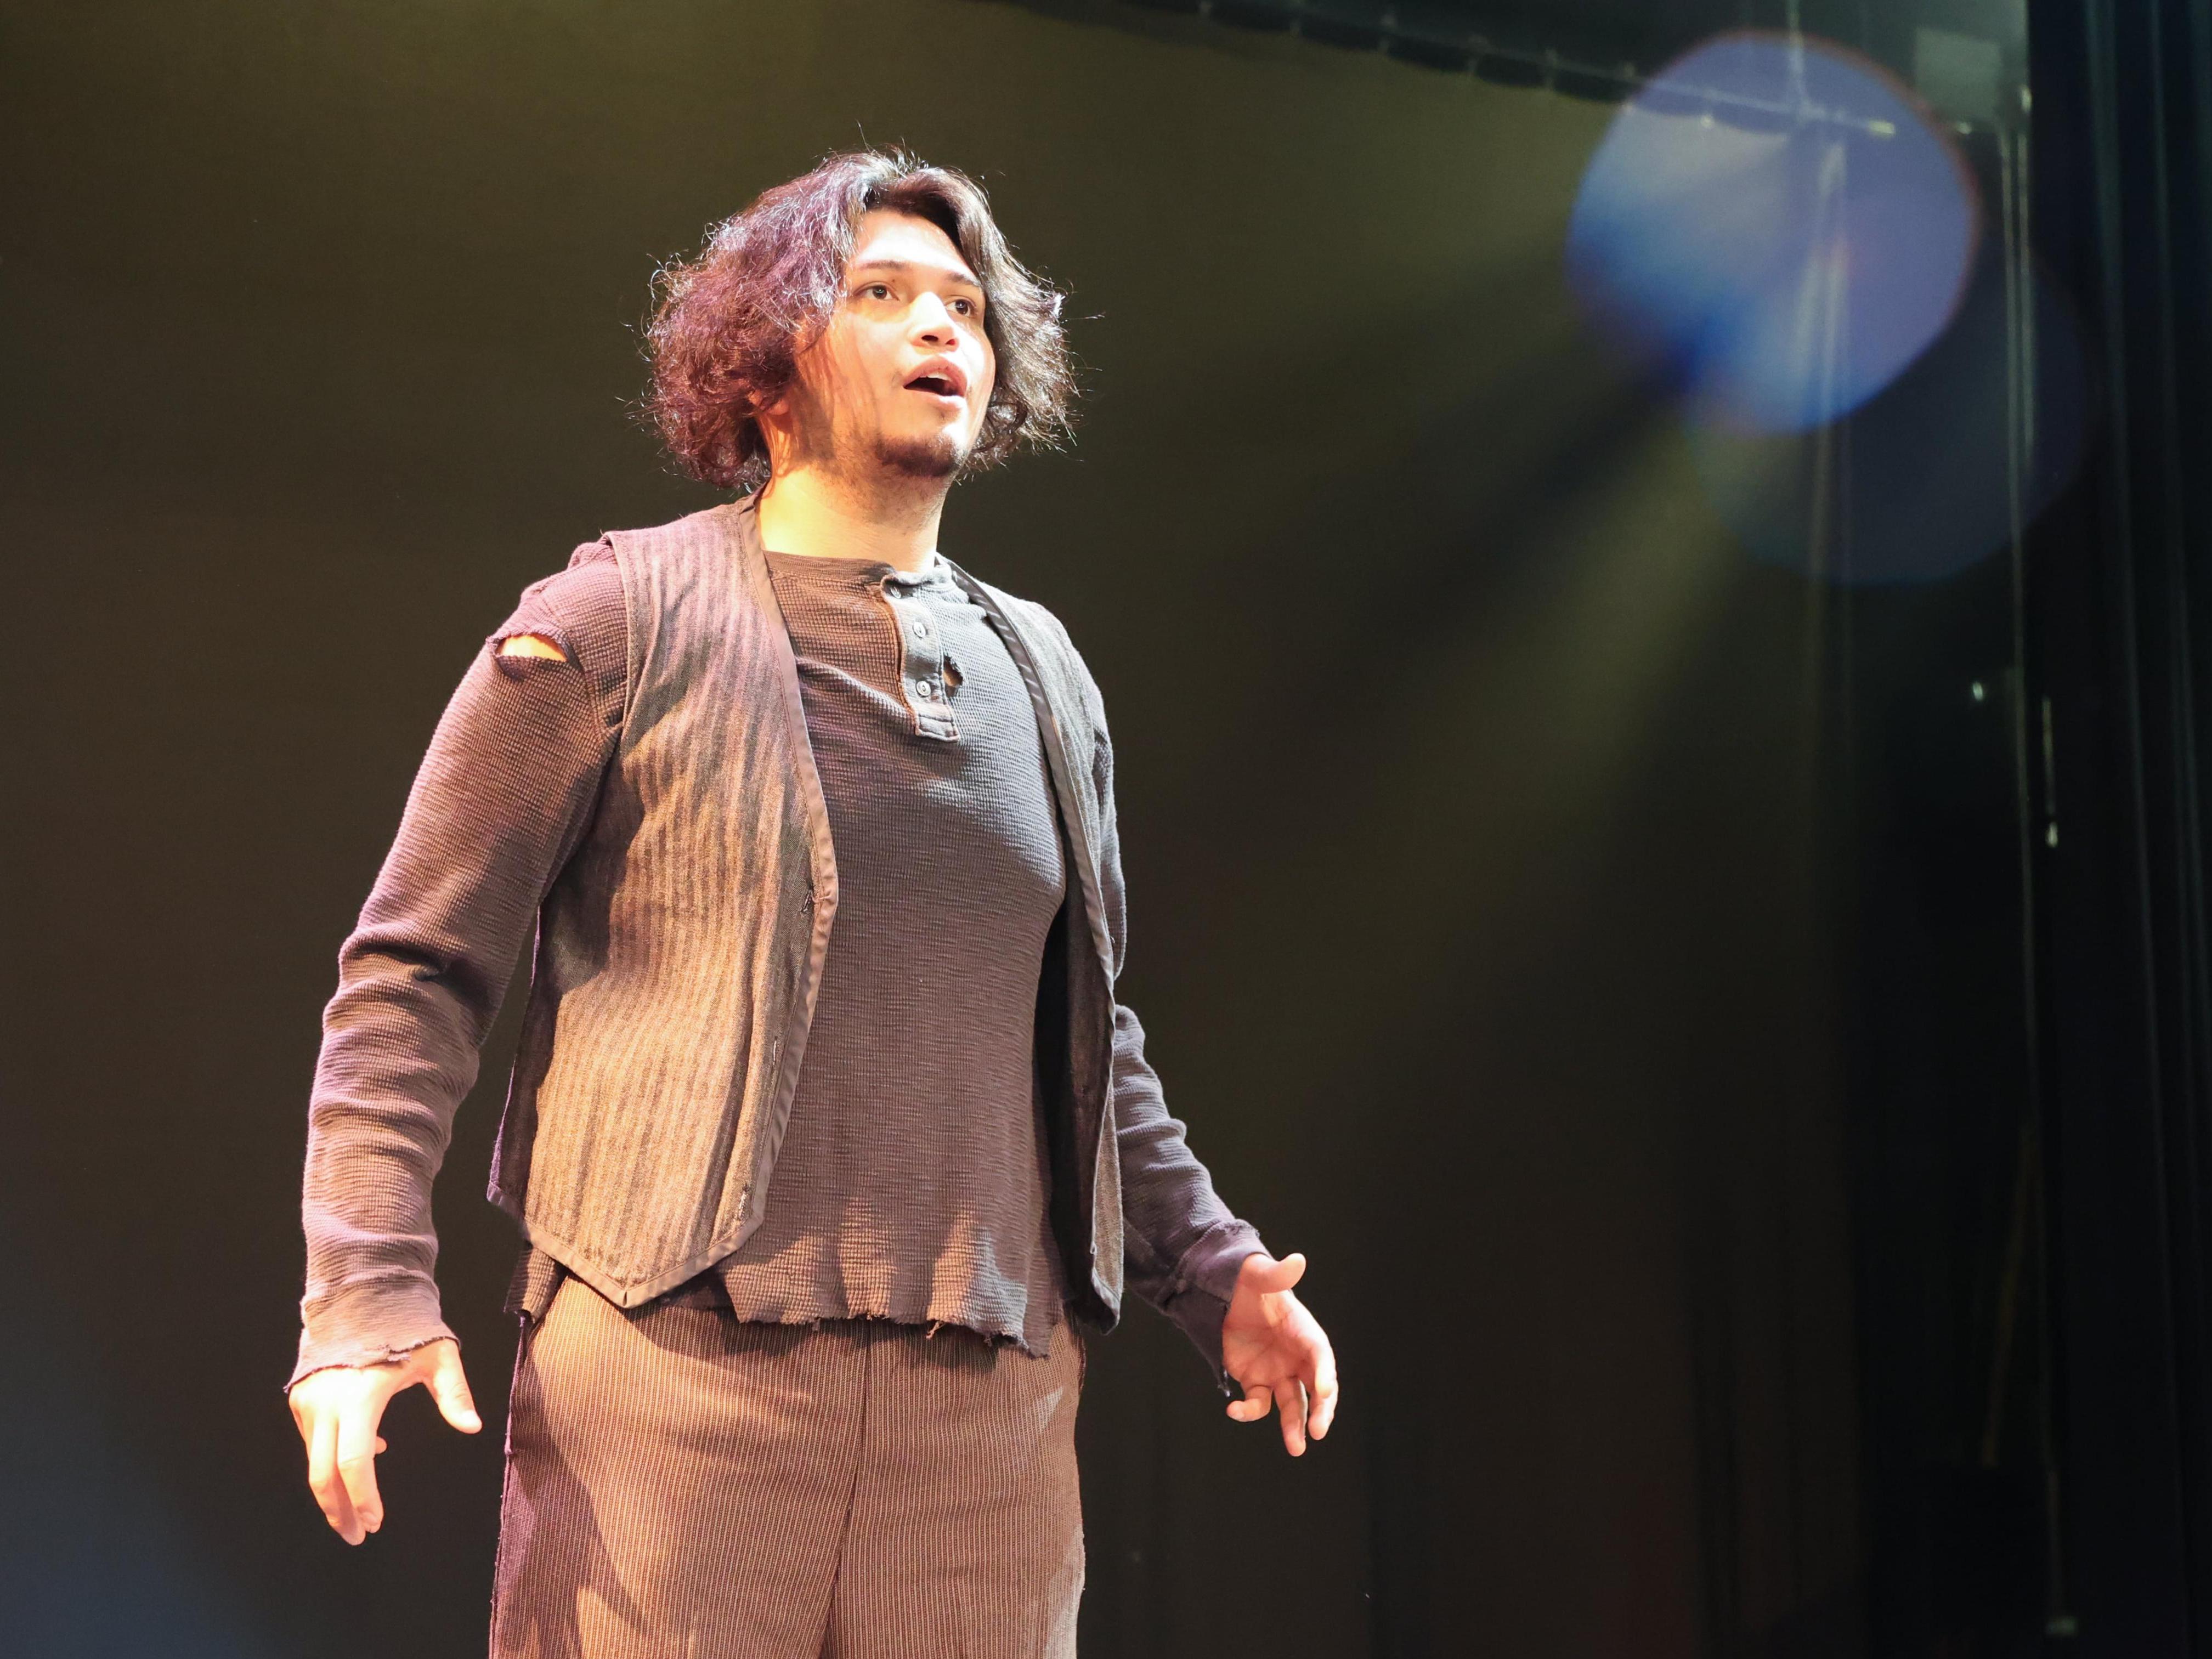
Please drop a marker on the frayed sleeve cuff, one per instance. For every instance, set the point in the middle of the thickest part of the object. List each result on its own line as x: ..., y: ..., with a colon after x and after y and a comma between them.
x: 368, y: 1323
x: 1206, y: 1282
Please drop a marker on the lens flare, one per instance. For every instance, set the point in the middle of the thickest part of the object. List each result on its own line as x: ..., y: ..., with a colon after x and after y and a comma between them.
x: 1928, y: 483
x: 1775, y: 228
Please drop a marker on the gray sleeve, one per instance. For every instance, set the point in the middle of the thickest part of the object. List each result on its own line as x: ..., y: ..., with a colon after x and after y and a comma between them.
x: 503, y: 794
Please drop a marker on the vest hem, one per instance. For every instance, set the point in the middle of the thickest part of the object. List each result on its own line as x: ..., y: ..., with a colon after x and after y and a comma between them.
x: 630, y: 1293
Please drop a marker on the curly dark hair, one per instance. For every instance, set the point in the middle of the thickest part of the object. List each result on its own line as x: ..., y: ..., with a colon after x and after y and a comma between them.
x: 727, y: 326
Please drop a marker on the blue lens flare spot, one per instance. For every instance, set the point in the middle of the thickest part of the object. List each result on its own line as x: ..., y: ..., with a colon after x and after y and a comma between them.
x: 1774, y: 228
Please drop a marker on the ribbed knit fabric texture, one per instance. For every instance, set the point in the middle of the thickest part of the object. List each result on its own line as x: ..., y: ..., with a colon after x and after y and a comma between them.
x: 595, y: 801
x: 681, y: 1484
x: 911, y: 1182
x: 510, y: 780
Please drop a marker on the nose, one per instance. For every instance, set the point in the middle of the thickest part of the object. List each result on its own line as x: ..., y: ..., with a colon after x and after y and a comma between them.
x: 931, y: 320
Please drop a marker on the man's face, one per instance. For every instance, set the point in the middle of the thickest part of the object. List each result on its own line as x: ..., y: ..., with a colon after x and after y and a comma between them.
x: 900, y: 379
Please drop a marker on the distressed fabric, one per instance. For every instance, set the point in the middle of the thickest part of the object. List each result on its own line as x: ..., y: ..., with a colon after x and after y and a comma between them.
x: 512, y: 777
x: 682, y: 1483
x: 911, y: 1182
x: 685, y: 890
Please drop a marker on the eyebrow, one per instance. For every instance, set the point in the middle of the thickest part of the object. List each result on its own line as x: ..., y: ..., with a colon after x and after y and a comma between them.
x: 958, y: 274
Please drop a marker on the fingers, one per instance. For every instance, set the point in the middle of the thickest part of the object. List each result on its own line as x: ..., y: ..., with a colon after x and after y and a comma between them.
x: 358, y: 1443
x: 323, y: 1477
x: 449, y: 1386
x: 1291, y: 1396
x: 1324, y: 1390
x: 338, y: 1410
x: 1254, y: 1405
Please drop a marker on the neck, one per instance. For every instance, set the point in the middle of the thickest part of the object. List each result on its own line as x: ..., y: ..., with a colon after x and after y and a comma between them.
x: 808, y: 510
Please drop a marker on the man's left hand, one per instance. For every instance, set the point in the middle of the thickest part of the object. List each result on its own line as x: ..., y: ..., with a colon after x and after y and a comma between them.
x: 1278, y: 1352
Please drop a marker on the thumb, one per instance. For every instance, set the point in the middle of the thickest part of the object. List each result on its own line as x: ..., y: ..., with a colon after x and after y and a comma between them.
x: 449, y: 1386
x: 1265, y: 1274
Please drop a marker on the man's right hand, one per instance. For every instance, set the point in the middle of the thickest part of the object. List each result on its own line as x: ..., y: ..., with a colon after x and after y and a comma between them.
x: 338, y: 1409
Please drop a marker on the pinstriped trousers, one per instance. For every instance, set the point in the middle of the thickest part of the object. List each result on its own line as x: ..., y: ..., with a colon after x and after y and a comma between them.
x: 685, y: 1484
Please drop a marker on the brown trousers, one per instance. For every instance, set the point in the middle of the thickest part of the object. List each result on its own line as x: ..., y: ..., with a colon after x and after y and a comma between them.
x: 680, y: 1482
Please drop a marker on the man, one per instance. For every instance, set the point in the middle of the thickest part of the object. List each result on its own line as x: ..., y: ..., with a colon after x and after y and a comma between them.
x: 825, y: 1126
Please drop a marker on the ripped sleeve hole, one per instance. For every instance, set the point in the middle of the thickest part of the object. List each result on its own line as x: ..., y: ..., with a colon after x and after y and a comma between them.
x: 531, y: 645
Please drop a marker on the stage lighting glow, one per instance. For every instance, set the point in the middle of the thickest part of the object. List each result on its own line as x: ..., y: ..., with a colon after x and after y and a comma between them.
x: 1775, y: 227
x: 1932, y: 485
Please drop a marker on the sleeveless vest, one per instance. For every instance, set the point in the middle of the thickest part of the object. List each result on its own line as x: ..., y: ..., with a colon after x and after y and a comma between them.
x: 680, y: 948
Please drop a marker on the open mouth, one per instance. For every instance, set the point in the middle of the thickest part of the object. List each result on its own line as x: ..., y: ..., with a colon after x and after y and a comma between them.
x: 939, y: 377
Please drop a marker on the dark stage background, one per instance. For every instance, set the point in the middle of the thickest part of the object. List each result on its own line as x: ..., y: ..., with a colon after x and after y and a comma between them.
x: 1601, y: 951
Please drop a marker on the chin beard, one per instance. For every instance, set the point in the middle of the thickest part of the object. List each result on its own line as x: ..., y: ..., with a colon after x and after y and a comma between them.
x: 939, y: 457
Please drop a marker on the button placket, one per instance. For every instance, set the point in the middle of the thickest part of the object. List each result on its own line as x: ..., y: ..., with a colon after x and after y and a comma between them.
x: 921, y: 661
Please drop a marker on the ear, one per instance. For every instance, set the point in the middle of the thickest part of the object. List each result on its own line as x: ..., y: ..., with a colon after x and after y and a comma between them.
x: 780, y: 410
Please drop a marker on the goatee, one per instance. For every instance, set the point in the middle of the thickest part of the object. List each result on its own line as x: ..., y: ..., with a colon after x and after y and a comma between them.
x: 939, y: 456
